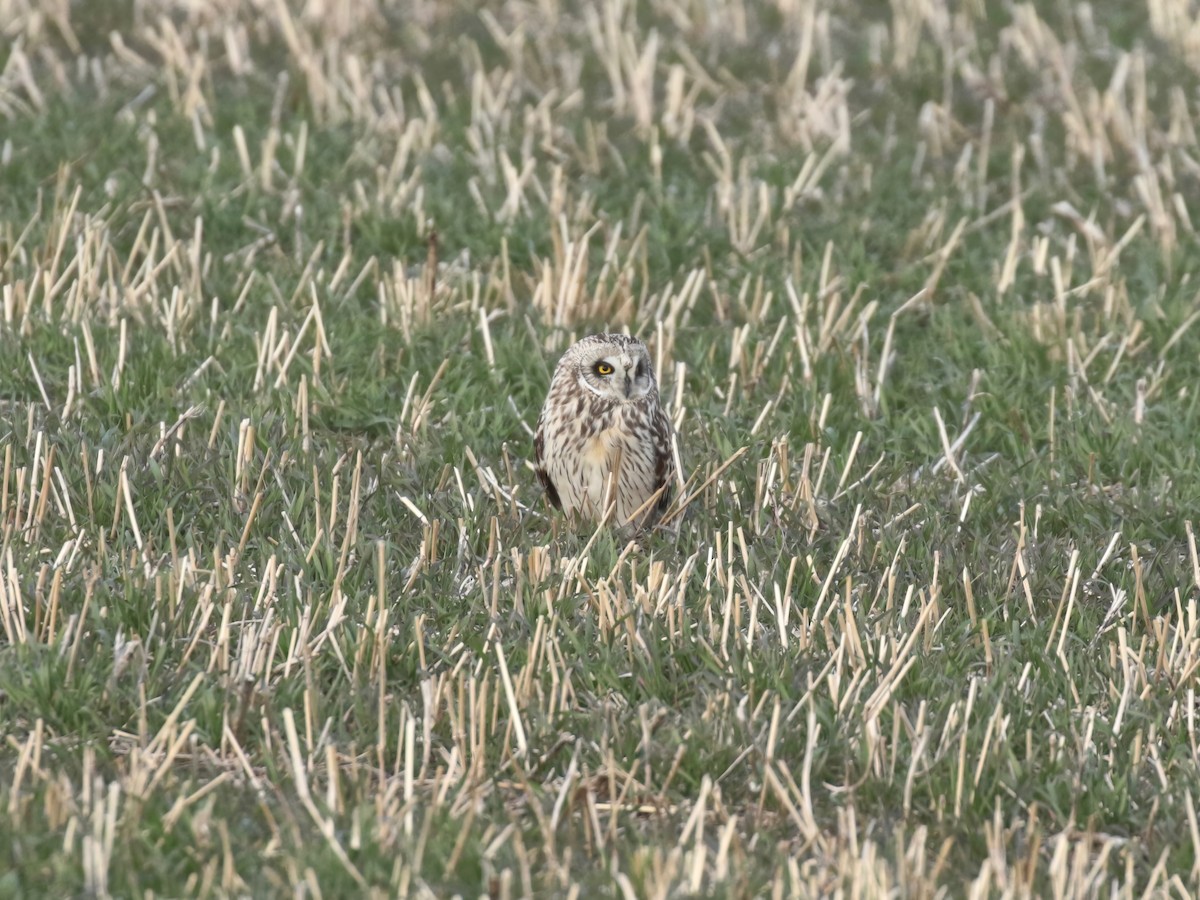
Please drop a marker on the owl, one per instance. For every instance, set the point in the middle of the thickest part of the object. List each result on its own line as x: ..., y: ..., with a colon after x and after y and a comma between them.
x: 603, y: 420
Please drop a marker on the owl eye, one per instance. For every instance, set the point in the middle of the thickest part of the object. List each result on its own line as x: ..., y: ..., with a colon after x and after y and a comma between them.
x: 603, y: 368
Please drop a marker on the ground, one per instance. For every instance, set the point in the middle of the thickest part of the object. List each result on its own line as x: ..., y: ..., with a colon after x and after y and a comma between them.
x: 283, y: 610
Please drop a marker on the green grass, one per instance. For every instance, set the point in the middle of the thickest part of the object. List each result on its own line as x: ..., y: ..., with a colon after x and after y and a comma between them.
x: 282, y: 610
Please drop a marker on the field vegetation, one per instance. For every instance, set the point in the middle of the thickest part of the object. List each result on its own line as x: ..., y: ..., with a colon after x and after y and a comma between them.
x: 282, y: 610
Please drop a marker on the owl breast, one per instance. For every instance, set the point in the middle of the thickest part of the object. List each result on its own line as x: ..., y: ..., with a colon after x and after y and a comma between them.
x: 613, y: 453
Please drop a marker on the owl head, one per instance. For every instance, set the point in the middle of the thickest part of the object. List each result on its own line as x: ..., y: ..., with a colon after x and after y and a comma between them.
x: 611, y: 366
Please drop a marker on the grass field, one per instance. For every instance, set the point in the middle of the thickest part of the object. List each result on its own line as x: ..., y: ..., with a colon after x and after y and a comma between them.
x: 283, y: 609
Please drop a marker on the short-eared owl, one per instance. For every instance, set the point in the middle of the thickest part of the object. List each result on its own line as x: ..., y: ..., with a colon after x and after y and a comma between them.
x: 603, y: 418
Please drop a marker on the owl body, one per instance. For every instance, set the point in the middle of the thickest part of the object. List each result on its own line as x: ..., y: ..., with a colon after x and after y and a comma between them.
x: 603, y: 428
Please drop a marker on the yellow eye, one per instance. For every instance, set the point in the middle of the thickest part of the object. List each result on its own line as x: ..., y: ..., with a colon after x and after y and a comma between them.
x: 603, y: 369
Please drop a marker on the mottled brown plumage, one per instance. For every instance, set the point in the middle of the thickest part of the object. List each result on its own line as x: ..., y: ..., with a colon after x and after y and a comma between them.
x: 602, y: 424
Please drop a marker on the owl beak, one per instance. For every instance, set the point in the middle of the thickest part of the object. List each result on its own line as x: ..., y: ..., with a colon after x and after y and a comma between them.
x: 628, y: 387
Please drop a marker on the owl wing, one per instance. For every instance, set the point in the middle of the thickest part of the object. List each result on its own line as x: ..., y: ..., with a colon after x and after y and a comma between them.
x: 539, y: 449
x: 664, y: 461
